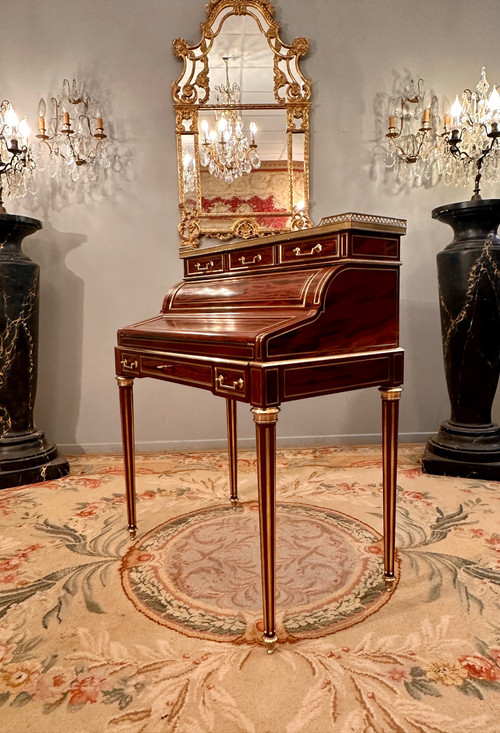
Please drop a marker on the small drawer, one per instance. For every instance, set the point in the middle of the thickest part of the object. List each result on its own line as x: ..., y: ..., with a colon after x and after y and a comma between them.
x: 307, y: 251
x: 252, y: 258
x: 230, y: 381
x: 127, y: 363
x: 187, y: 372
x: 386, y: 248
x: 204, y: 265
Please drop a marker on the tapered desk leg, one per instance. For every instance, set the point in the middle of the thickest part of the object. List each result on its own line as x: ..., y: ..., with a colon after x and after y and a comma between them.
x: 390, y: 412
x: 127, y: 420
x: 265, y: 427
x: 232, y: 437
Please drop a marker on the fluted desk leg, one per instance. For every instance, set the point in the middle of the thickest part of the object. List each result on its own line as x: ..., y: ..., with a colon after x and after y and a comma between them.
x: 232, y: 437
x: 390, y: 412
x: 265, y: 427
x: 127, y: 420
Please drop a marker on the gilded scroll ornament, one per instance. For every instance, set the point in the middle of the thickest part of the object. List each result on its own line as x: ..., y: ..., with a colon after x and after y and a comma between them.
x: 246, y: 228
x: 189, y: 229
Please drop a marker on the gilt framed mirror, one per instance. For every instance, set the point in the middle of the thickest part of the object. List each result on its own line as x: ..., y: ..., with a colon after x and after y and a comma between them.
x: 242, y: 127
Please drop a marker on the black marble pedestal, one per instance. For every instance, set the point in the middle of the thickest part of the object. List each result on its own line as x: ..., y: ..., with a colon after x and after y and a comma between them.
x: 26, y: 456
x: 468, y: 444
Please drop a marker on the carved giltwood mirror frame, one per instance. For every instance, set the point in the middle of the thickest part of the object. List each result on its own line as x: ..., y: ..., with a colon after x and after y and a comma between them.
x: 241, y: 38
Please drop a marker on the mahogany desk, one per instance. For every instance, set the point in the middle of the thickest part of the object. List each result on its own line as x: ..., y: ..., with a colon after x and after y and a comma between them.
x: 275, y: 319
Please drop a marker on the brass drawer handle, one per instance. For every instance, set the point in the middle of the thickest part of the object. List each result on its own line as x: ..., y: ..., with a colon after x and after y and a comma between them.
x: 314, y: 251
x: 200, y: 267
x: 165, y: 367
x: 237, y: 383
x: 129, y: 365
x: 253, y: 261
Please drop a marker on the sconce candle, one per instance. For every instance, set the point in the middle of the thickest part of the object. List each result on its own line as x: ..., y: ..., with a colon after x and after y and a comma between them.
x: 456, y: 112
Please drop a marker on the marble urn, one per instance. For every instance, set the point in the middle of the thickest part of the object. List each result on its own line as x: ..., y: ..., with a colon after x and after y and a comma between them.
x: 468, y: 444
x: 26, y: 456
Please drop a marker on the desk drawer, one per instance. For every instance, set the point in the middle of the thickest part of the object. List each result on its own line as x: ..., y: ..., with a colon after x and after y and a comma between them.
x: 309, y: 251
x: 204, y: 265
x: 176, y: 370
x: 251, y: 258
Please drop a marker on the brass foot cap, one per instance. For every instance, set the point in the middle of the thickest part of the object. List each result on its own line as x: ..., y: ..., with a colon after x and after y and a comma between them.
x: 132, y: 532
x: 234, y: 502
x: 389, y: 581
x: 270, y: 642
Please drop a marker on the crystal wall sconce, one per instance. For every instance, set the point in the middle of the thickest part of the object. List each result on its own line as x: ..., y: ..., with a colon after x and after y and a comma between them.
x: 16, y: 159
x: 72, y: 137
x: 413, y: 118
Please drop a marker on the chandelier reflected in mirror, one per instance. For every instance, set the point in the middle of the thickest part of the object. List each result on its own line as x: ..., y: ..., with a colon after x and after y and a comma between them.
x: 225, y: 150
x: 468, y: 147
x: 72, y: 138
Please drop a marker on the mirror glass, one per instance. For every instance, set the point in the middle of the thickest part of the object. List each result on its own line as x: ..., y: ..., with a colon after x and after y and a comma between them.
x: 242, y: 123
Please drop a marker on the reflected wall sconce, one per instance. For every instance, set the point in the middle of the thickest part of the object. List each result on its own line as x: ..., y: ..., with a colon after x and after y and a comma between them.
x: 72, y: 138
x: 16, y: 159
x: 411, y: 154
x: 468, y: 146
x: 188, y: 171
x: 299, y: 218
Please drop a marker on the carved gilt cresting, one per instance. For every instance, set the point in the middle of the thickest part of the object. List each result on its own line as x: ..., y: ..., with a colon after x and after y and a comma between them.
x: 191, y: 94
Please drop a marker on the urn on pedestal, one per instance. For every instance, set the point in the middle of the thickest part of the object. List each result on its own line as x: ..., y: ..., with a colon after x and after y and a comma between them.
x: 26, y: 456
x: 468, y: 444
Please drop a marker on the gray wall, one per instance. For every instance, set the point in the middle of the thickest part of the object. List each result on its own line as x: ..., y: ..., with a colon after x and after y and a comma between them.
x: 108, y: 262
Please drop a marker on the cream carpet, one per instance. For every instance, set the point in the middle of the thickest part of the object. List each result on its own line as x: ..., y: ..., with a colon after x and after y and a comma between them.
x: 99, y: 634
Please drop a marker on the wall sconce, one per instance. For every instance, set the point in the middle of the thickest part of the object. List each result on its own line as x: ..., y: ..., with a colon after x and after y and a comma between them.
x: 73, y: 139
x: 16, y: 160
x: 412, y: 139
x: 468, y: 145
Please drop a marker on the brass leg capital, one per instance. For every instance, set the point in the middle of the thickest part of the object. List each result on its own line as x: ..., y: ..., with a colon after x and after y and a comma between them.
x: 265, y: 415
x: 124, y: 381
x: 390, y: 393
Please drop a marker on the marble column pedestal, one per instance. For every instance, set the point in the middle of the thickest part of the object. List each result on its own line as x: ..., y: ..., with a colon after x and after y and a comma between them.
x: 26, y: 456
x: 468, y: 444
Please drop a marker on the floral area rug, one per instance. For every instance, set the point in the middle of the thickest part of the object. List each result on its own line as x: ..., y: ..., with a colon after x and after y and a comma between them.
x: 101, y: 634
